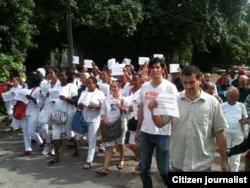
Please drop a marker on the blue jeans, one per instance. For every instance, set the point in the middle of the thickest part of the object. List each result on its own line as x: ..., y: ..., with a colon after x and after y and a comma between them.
x: 149, y: 142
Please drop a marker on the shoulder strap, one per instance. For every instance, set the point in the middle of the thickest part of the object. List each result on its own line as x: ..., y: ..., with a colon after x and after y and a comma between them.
x: 121, y: 104
x: 242, y: 109
x: 32, y: 91
x: 122, y: 101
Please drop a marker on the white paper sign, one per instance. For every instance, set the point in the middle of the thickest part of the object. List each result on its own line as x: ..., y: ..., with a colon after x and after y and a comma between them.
x: 88, y: 63
x: 111, y: 62
x: 167, y: 105
x: 158, y: 55
x: 117, y: 69
x: 75, y: 60
x: 85, y: 99
x: 54, y: 94
x: 143, y: 60
x: 105, y: 88
x: 44, y: 89
x: 127, y: 61
x: 174, y: 68
x: 8, y: 96
x: 21, y: 95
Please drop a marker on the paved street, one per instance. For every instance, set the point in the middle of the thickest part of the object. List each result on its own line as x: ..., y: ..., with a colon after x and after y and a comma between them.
x: 32, y: 171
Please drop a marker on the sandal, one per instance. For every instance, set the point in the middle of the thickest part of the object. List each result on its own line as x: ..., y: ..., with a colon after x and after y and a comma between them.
x: 102, y: 172
x: 120, y: 165
x: 87, y: 166
x: 25, y: 153
x: 52, y: 162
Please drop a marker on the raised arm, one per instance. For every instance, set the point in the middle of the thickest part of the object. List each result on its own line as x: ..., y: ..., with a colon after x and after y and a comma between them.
x: 159, y: 120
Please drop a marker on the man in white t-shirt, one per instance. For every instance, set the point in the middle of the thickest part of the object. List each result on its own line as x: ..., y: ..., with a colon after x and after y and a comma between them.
x: 199, y: 129
x: 151, y: 137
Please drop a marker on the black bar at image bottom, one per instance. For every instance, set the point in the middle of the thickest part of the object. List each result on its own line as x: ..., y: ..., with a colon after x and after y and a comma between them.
x: 208, y: 179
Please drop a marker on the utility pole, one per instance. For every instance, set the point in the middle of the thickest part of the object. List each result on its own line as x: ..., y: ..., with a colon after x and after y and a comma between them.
x: 69, y: 34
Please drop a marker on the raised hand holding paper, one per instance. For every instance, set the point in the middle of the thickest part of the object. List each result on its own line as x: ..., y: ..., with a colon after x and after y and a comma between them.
x: 167, y: 104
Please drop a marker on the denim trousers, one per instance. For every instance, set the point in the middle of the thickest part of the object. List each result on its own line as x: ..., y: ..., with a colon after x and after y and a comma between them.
x: 149, y: 142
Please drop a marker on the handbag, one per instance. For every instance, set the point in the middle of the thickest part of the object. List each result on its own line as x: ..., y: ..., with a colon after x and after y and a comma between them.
x: 44, y: 116
x: 59, y: 118
x: 78, y: 124
x: 132, y: 124
x: 19, y: 110
x: 114, y: 130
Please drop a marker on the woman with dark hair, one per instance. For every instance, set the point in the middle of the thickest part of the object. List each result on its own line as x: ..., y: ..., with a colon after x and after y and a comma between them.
x: 83, y: 78
x: 48, y: 105
x: 90, y: 102
x: 138, y: 80
x: 104, y: 82
x: 65, y: 103
x: 6, y: 87
x: 104, y: 86
x: 30, y: 122
x: 15, y: 124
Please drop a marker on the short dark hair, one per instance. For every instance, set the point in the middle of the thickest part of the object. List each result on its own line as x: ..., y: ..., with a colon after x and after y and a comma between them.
x: 69, y: 73
x: 93, y: 79
x: 33, y: 80
x: 54, y: 69
x: 191, y: 69
x: 156, y: 60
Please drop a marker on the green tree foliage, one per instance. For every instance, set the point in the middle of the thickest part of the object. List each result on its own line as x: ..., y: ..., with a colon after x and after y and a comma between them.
x: 205, y: 33
x: 16, y: 31
x: 227, y: 41
x: 118, y: 17
x: 6, y: 64
x: 50, y: 19
x: 198, y: 32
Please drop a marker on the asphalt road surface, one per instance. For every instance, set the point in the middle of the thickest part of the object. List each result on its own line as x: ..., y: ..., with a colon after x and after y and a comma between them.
x: 32, y: 171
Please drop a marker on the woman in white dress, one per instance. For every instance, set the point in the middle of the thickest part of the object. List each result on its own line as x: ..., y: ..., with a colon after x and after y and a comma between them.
x: 30, y: 122
x: 15, y: 124
x: 90, y: 102
x: 52, y: 83
x: 65, y: 103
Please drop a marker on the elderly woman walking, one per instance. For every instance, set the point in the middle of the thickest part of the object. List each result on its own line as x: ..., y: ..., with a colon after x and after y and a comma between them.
x: 236, y: 115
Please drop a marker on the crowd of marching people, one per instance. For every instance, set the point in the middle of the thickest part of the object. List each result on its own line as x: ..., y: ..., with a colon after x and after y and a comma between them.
x: 211, y: 115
